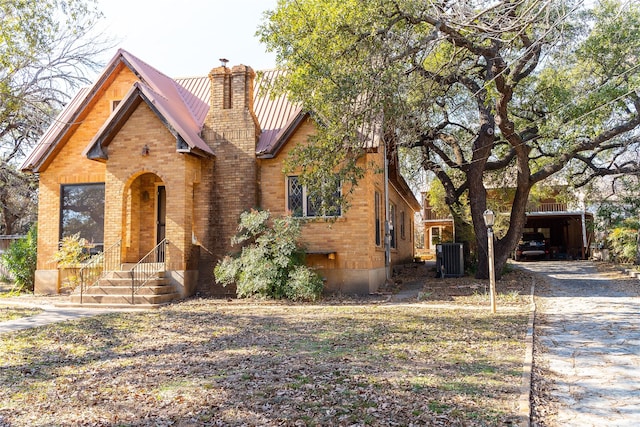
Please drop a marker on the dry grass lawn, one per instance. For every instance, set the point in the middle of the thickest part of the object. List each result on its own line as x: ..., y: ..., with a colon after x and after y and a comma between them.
x: 11, y: 313
x: 212, y: 362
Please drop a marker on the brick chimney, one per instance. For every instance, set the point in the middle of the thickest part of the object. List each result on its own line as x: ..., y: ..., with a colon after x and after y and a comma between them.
x: 231, y: 129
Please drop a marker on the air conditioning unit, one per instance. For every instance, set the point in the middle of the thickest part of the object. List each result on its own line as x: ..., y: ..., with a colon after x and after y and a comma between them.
x: 449, y: 260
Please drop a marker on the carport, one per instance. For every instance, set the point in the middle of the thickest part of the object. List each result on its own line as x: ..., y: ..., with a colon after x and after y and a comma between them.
x: 569, y: 233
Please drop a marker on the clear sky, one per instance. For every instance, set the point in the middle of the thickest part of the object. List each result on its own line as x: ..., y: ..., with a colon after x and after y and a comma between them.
x: 188, y: 37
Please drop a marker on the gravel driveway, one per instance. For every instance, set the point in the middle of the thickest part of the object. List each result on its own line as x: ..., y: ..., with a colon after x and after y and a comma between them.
x: 587, y: 359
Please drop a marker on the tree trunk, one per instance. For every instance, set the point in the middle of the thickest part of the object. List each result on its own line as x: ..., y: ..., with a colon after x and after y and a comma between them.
x: 517, y: 220
x: 463, y: 232
x: 8, y: 218
x: 478, y: 206
x: 503, y: 246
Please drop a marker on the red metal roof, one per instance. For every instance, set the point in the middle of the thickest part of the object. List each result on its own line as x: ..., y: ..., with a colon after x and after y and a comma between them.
x: 184, y: 110
x: 60, y: 123
x: 173, y: 112
x: 200, y: 88
x: 275, y: 113
x: 185, y: 103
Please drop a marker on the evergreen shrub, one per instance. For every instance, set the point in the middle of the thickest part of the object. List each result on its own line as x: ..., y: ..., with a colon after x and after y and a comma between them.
x: 271, y: 262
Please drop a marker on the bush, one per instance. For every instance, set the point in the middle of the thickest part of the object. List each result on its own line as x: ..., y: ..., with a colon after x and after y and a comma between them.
x: 20, y: 260
x: 272, y: 264
x: 623, y: 242
x: 304, y: 284
x: 73, y: 250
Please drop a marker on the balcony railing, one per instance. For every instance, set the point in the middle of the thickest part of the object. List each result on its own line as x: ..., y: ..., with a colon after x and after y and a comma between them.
x: 547, y: 207
x: 430, y: 215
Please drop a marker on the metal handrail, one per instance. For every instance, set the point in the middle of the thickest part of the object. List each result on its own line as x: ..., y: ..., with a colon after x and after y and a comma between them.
x: 99, y: 266
x: 148, y: 267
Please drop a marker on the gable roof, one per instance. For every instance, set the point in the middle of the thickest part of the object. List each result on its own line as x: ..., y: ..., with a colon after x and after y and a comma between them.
x: 277, y: 116
x: 185, y: 131
x: 183, y: 110
x: 182, y: 105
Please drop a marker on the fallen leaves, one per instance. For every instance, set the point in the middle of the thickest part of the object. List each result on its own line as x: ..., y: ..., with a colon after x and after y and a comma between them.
x: 342, y: 362
x: 206, y: 362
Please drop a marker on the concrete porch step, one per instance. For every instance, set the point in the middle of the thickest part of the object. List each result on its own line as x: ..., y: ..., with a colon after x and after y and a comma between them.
x: 126, y: 282
x: 112, y: 289
x: 126, y: 274
x: 123, y: 299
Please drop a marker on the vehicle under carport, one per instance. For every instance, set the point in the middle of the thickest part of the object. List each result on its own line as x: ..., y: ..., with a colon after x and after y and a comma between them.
x: 569, y: 233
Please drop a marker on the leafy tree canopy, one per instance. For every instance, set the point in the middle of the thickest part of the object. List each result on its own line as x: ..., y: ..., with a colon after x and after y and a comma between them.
x: 490, y: 93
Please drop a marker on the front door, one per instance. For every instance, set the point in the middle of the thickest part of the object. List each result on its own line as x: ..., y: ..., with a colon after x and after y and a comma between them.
x: 161, y: 213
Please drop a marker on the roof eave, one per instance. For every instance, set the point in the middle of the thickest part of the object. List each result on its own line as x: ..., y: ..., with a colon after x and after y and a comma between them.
x: 136, y: 95
x: 95, y: 148
x: 74, y: 121
x: 284, y: 135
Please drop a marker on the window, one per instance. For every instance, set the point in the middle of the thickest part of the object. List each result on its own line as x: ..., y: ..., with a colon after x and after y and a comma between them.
x: 435, y: 236
x: 402, y: 226
x: 378, y: 212
x: 302, y: 203
x: 392, y: 226
x: 82, y: 211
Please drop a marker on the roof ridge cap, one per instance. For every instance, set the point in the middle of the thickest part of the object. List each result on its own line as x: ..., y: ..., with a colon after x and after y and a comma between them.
x: 178, y: 87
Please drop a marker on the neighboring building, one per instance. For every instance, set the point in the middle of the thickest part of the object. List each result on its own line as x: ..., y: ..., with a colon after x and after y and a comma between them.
x: 139, y: 157
x: 567, y: 227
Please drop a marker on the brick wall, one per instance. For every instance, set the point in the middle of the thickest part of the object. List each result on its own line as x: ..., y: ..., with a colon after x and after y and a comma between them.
x: 70, y: 167
x: 231, y: 130
x: 352, y: 236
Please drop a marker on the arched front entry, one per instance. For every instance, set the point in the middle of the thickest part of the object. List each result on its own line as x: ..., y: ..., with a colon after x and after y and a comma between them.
x: 144, y: 216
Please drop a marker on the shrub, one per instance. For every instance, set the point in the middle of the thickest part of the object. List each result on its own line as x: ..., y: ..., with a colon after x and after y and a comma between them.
x: 271, y: 265
x: 20, y: 260
x: 623, y: 242
x: 304, y: 284
x: 73, y: 250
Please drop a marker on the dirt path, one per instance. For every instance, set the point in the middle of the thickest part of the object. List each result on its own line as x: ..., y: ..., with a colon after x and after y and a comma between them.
x: 587, y: 360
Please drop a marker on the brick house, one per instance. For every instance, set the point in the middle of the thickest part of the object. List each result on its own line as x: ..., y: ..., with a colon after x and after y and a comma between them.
x: 140, y: 158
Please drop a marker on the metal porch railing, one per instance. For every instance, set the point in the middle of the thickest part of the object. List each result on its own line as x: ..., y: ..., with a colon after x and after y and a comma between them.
x: 99, y: 266
x: 148, y: 267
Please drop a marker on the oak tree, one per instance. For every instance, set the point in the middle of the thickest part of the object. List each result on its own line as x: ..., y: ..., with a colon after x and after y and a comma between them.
x: 490, y: 93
